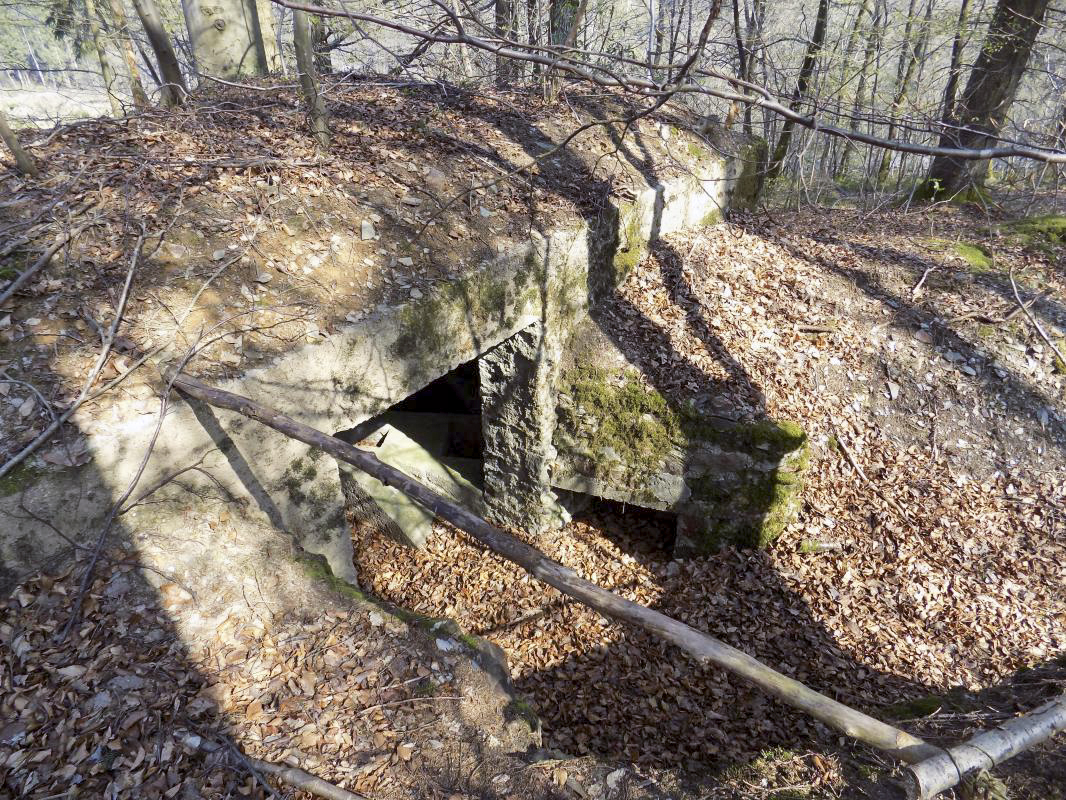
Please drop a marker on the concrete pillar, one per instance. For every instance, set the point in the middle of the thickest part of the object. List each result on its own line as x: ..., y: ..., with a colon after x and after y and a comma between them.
x: 518, y: 420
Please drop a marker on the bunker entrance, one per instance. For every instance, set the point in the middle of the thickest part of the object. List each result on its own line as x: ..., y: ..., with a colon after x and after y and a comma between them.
x: 433, y: 435
x: 480, y: 436
x: 647, y: 534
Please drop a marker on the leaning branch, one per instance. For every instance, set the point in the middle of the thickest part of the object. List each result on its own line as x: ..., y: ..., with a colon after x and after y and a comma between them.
x: 45, y: 257
x: 554, y: 58
x: 704, y: 648
x: 986, y: 750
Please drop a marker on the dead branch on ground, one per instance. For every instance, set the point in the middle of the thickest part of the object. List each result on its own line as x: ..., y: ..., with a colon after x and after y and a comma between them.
x: 1033, y: 321
x: 290, y: 776
x: 704, y: 648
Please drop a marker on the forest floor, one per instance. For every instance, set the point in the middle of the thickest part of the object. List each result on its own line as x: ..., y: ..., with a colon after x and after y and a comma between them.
x: 926, y: 590
x: 923, y: 579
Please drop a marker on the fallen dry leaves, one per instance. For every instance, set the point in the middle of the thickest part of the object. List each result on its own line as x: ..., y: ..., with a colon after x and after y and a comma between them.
x: 346, y: 694
x: 871, y: 607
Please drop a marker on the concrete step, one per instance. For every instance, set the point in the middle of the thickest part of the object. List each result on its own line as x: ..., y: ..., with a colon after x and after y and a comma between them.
x: 457, y: 479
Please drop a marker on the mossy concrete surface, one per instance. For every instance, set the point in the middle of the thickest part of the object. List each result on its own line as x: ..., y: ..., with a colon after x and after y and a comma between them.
x: 730, y: 483
x: 342, y: 376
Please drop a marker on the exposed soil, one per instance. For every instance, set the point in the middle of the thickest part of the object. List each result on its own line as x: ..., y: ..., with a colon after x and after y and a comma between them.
x: 937, y: 575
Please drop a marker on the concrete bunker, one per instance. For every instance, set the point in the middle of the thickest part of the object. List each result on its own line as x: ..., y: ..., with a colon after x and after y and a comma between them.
x: 480, y: 435
x: 509, y: 305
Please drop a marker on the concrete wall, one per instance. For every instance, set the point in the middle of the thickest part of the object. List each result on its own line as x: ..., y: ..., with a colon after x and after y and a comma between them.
x: 537, y: 290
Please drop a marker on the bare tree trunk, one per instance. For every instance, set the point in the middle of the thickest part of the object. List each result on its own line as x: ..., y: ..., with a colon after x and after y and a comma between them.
x: 107, y: 71
x: 955, y: 68
x: 23, y: 162
x: 704, y: 648
x: 174, y: 90
x: 226, y: 37
x: 305, y: 64
x: 122, y: 34
x: 814, y: 47
x: 568, y: 40
x: 742, y: 64
x: 873, y: 42
x: 505, y: 25
x: 320, y: 46
x: 268, y: 38
x: 990, y: 90
x: 533, y: 31
x: 911, y: 53
x: 464, y: 57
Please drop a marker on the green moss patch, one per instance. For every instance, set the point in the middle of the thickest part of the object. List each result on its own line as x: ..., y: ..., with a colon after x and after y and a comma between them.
x: 1050, y: 228
x: 317, y: 568
x: 974, y: 255
x: 631, y: 246
x: 630, y: 431
x: 18, y: 478
x: 953, y: 700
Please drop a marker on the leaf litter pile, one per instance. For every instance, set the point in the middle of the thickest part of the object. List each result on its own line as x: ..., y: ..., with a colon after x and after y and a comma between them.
x: 340, y: 688
x: 910, y: 589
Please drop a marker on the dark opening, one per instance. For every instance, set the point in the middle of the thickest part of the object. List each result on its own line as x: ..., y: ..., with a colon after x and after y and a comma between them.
x: 645, y: 533
x: 444, y: 417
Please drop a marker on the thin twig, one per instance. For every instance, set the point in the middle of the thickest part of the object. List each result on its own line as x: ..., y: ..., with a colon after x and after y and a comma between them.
x: 94, y: 373
x: 1033, y: 321
x: 855, y: 465
x: 46, y: 256
x: 918, y: 286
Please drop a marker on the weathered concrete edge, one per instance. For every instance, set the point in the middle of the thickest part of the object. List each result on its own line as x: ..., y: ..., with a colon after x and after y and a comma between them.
x: 371, y: 364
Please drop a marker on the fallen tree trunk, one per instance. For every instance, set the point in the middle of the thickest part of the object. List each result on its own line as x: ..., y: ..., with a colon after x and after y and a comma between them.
x: 965, y: 761
x: 699, y: 645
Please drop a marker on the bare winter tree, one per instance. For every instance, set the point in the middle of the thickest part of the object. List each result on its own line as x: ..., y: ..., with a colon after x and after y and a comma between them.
x: 982, y: 111
x: 305, y: 65
x: 173, y: 87
x: 122, y: 37
x: 799, y: 95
